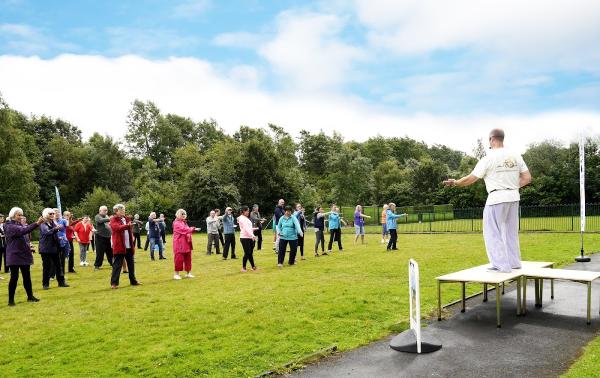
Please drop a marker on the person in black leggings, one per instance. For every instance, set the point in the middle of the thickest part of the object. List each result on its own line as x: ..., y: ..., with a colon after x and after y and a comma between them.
x: 299, y: 214
x: 19, y: 254
x: 319, y: 224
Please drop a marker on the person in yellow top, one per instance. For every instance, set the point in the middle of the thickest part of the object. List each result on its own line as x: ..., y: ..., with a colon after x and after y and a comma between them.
x: 384, y: 230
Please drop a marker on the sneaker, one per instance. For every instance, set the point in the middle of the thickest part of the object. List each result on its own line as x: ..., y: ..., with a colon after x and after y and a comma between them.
x: 382, y: 241
x: 189, y: 275
x: 162, y: 258
x: 316, y: 255
x: 11, y: 304
x: 243, y: 270
x: 72, y: 271
x: 324, y: 254
x: 137, y: 283
x: 64, y: 284
x: 492, y: 269
x: 177, y: 277
x: 82, y: 264
x: 125, y: 271
x: 302, y: 258
x: 1, y: 278
x: 233, y: 258
x: 280, y: 266
x: 45, y: 287
x: 254, y: 268
x: 32, y: 299
x: 86, y: 263
x: 114, y: 287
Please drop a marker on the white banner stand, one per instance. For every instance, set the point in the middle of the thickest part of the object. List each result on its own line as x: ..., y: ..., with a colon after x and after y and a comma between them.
x: 582, y: 257
x: 411, y: 340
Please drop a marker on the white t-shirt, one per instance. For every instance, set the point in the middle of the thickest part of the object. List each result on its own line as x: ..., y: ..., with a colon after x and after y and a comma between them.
x: 501, y: 169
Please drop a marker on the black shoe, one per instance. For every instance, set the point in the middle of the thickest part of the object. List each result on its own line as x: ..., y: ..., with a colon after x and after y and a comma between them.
x: 153, y: 259
x: 316, y: 255
x: 11, y: 304
x: 96, y: 268
x: 233, y: 258
x: 136, y: 284
x: 46, y: 287
x: 218, y: 253
x: 124, y: 272
x: 394, y: 249
x: 32, y: 299
x: 72, y: 271
x: 324, y: 254
x: 162, y: 258
x: 64, y: 284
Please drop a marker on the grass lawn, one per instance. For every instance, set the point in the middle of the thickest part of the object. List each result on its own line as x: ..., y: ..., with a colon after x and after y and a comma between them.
x: 227, y: 323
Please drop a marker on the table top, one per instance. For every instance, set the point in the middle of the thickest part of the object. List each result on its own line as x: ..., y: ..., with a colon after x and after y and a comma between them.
x: 562, y: 274
x: 480, y: 273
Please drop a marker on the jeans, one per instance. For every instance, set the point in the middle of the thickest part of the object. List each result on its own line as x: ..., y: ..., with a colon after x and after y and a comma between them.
x: 158, y: 242
x: 282, y: 247
x: 83, y: 248
x: 320, y: 238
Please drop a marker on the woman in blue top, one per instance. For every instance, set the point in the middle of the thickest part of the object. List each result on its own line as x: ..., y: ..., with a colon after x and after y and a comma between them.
x: 359, y: 224
x: 391, y: 226
x: 288, y: 230
x: 335, y: 229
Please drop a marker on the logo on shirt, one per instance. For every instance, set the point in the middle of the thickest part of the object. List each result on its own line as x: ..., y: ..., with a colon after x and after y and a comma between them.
x: 510, y: 162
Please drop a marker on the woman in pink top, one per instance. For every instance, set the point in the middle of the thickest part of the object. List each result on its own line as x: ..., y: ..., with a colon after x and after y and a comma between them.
x: 247, y: 238
x: 182, y: 244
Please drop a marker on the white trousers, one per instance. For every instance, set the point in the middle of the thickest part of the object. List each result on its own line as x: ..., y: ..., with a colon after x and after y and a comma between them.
x: 501, y: 235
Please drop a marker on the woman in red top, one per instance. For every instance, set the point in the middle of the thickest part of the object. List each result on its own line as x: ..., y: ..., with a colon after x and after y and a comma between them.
x: 69, y: 233
x: 182, y: 244
x: 83, y: 233
x: 122, y: 245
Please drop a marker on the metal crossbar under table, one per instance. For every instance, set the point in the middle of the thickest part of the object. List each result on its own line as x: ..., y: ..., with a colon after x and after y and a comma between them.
x: 481, y: 275
x: 581, y: 276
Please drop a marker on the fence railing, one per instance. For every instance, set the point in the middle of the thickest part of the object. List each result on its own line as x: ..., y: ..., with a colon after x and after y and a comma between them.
x: 554, y: 218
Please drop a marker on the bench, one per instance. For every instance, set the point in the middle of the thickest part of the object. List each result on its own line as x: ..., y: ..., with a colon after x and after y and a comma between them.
x: 581, y: 276
x: 481, y: 275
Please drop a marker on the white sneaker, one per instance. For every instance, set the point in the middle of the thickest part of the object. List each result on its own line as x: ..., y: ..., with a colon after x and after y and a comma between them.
x: 82, y: 264
x: 1, y: 278
x: 177, y: 277
x: 86, y: 263
x: 280, y: 265
x: 382, y: 241
x: 189, y: 275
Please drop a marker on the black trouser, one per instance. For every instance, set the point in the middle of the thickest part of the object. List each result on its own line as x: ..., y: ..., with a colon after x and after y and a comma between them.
x: 71, y: 257
x: 63, y: 255
x: 258, y: 234
x: 229, y: 242
x: 335, y: 234
x: 320, y: 237
x: 163, y: 235
x: 50, y: 261
x: 147, y: 242
x: 93, y: 242
x: 3, y: 258
x: 248, y: 246
x: 393, y: 239
x: 301, y: 245
x: 14, y: 279
x: 118, y: 264
x: 138, y: 240
x: 282, y: 246
x: 221, y: 239
x: 103, y: 247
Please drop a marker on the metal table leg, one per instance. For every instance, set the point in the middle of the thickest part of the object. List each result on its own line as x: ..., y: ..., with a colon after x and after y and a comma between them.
x: 519, y: 296
x: 589, y: 303
x: 502, y: 288
x: 439, y: 300
x: 485, y: 292
x: 537, y: 291
x: 524, y: 307
x: 541, y: 292
x: 498, y: 304
x: 552, y: 289
x: 464, y: 305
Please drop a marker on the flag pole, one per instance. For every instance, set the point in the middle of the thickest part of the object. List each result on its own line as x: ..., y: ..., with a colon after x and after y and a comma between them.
x: 582, y: 257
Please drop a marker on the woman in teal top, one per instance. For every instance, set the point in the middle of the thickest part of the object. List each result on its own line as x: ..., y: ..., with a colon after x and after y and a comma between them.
x: 391, y: 220
x: 288, y: 230
x: 335, y: 229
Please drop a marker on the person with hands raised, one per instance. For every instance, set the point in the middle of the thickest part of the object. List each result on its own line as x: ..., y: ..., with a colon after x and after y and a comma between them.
x: 182, y: 244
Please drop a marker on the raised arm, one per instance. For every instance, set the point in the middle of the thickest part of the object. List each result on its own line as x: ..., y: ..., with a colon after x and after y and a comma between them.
x: 464, y: 181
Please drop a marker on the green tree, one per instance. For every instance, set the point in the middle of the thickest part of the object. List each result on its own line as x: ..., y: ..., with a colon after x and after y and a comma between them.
x: 92, y: 201
x: 201, y: 192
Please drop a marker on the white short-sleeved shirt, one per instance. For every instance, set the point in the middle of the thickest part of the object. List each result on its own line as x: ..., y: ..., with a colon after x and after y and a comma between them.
x: 501, y: 169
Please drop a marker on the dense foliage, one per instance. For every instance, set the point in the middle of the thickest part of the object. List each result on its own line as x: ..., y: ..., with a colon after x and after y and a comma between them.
x: 168, y: 161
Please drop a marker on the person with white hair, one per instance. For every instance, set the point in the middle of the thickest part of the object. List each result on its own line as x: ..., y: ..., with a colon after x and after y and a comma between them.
x: 384, y: 230
x: 137, y: 230
x: 504, y: 173
x: 182, y: 244
x: 257, y: 223
x: 212, y: 231
x: 19, y: 256
x: 391, y: 220
x: 277, y: 214
x: 102, y: 238
x: 154, y: 235
x: 359, y: 224
x: 50, y: 249
x: 123, y: 246
x: 2, y: 246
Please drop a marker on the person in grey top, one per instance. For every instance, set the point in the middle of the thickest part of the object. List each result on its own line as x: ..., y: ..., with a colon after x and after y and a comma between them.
x: 103, y: 234
x: 257, y: 222
x: 212, y: 229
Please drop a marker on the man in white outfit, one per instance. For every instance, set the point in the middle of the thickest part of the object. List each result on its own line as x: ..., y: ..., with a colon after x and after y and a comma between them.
x: 504, y: 173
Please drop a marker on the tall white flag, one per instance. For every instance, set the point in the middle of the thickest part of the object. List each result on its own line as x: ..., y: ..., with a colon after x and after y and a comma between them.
x: 582, y: 180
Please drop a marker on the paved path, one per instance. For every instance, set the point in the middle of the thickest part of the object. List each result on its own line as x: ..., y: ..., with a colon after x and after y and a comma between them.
x: 542, y: 344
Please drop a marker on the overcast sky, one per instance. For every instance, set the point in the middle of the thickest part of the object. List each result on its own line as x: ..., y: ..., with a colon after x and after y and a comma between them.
x: 438, y: 71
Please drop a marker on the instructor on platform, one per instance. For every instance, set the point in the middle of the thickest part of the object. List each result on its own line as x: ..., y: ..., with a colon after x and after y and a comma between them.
x: 504, y: 172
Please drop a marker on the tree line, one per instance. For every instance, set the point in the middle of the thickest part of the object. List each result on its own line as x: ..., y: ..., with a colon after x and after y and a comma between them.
x: 167, y: 161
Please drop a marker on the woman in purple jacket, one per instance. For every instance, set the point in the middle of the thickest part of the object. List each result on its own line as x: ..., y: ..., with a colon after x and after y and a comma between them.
x: 18, y: 253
